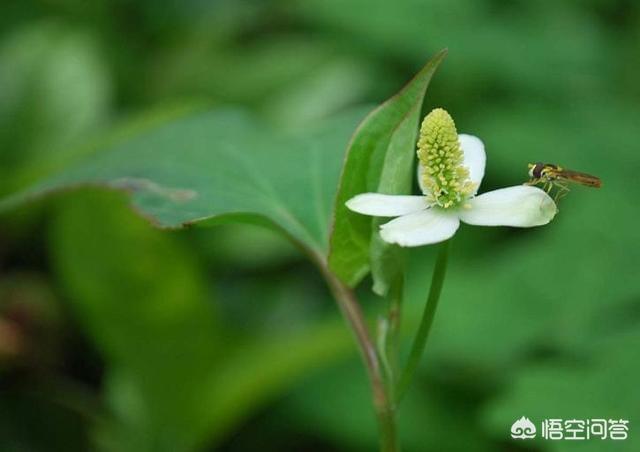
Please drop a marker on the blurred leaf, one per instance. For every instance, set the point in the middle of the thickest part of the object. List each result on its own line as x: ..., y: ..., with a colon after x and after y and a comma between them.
x: 227, y: 248
x: 311, y: 78
x: 268, y: 366
x: 222, y: 164
x: 140, y: 296
x: 337, y: 83
x: 177, y: 378
x: 430, y: 420
x: 603, y: 387
x: 380, y: 159
x: 54, y: 90
x: 487, y: 43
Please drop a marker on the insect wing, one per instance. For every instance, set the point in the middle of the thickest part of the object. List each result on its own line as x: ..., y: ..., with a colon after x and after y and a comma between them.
x: 579, y: 178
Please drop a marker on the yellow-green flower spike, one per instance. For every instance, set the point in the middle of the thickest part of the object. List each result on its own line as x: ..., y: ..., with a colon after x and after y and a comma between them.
x: 445, y: 178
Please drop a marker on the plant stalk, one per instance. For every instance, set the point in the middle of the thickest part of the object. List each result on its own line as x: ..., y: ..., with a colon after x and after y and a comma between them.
x: 382, y: 402
x: 420, y: 341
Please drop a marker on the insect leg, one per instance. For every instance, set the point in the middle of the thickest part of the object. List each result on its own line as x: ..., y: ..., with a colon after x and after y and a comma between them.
x: 548, y: 185
x: 562, y: 191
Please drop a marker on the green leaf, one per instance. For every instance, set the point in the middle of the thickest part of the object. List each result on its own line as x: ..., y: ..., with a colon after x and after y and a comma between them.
x: 380, y: 159
x: 222, y: 164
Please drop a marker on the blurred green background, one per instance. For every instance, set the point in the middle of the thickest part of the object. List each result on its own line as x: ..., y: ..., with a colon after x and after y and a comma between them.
x: 115, y: 336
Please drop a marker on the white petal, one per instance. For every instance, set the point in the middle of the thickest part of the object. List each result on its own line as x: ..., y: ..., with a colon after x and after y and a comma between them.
x: 420, y: 228
x: 380, y: 205
x: 475, y: 158
x: 521, y: 206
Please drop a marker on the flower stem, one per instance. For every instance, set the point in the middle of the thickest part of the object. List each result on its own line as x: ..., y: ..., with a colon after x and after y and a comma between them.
x: 420, y: 341
x: 382, y: 402
x: 389, y: 343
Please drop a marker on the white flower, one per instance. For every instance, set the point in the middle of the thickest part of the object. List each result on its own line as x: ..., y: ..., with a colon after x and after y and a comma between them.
x: 450, y: 170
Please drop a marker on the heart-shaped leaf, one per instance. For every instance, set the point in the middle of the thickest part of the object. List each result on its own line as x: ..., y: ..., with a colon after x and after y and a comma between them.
x: 222, y: 164
x: 380, y: 159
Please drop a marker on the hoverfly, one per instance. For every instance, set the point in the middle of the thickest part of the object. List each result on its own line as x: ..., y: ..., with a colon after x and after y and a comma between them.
x: 551, y: 175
